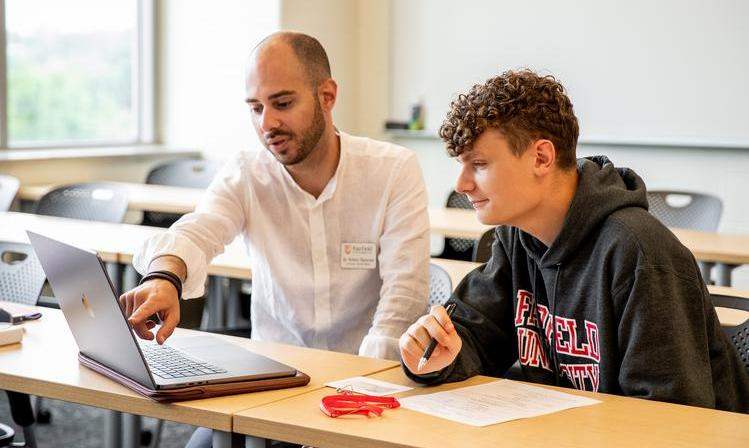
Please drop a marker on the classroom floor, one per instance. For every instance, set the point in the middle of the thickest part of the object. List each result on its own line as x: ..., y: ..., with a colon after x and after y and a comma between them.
x: 83, y: 426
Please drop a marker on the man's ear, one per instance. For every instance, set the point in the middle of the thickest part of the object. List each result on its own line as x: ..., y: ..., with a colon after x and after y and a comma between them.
x: 545, y: 156
x: 327, y: 93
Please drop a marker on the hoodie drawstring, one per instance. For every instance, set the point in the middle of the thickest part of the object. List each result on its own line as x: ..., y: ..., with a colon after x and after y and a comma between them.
x: 552, y: 303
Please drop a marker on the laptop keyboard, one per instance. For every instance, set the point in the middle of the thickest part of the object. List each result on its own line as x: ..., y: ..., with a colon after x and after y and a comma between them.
x: 167, y: 362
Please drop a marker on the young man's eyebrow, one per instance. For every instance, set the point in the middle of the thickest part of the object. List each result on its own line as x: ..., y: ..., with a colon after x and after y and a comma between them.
x: 273, y: 96
x: 466, y: 156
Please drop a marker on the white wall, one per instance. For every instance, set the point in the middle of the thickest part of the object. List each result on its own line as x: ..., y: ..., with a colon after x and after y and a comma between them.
x: 671, y: 70
x: 355, y: 34
x: 204, y: 46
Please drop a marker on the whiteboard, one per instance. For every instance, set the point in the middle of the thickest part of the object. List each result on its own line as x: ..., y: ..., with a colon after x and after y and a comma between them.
x: 638, y: 72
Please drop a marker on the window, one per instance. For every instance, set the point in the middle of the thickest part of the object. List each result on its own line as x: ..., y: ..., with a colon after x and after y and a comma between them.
x: 76, y: 72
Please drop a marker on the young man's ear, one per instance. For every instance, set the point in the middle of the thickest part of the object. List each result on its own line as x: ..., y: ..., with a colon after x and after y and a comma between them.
x: 545, y: 156
x: 327, y: 93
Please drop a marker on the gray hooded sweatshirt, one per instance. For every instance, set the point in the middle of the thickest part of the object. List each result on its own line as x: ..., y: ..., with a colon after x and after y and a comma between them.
x: 616, y: 305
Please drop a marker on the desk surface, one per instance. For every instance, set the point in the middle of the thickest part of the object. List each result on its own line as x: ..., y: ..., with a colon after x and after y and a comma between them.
x: 46, y: 364
x: 458, y: 223
x: 118, y: 242
x: 617, y: 421
x: 157, y: 198
x: 104, y: 238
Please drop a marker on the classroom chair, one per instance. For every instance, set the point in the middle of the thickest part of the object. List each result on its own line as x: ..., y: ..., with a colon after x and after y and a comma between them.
x: 98, y: 201
x: 187, y: 173
x: 739, y: 334
x: 688, y: 210
x: 8, y: 189
x: 482, y: 249
x: 440, y: 286
x: 21, y: 281
x: 457, y: 248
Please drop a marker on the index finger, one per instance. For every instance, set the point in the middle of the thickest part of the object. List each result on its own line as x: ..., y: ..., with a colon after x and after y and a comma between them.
x: 440, y: 314
x: 143, y: 312
x: 167, y: 328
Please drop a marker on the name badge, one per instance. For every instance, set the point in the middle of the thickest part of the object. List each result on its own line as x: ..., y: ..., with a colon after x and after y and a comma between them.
x: 358, y: 256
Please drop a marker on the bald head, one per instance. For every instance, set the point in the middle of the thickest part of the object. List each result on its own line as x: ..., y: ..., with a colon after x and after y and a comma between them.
x: 308, y: 51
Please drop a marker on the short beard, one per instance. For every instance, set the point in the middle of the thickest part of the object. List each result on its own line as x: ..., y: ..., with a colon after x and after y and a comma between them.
x: 310, y: 137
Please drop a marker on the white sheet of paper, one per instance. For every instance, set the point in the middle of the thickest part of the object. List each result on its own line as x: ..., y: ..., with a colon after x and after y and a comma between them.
x: 368, y: 386
x: 495, y: 402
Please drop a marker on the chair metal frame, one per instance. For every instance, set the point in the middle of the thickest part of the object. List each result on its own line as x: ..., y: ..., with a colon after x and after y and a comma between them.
x: 738, y: 335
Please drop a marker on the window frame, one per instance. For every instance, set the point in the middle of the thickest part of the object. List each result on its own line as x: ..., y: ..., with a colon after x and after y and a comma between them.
x: 143, y: 80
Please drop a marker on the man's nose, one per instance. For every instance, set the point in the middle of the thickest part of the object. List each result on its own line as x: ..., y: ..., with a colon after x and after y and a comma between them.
x: 464, y: 184
x: 269, y: 120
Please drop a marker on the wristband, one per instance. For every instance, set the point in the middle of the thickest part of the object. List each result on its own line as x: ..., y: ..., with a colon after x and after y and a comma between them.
x: 165, y: 275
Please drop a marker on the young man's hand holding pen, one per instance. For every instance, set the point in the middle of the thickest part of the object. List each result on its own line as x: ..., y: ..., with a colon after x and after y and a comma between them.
x: 416, y: 340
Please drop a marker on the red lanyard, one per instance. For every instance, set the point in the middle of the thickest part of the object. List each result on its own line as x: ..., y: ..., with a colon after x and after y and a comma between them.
x: 347, y: 403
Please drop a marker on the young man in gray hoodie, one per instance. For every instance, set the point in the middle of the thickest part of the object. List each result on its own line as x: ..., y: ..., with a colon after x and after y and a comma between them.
x: 585, y: 288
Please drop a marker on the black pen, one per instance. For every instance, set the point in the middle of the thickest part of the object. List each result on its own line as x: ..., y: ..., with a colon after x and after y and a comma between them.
x: 433, y: 342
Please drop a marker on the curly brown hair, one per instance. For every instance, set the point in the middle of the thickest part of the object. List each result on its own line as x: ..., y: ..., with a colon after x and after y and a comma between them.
x: 523, y: 106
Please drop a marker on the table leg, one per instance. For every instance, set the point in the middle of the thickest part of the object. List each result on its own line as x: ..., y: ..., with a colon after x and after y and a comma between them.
x: 232, y: 303
x: 223, y: 439
x: 113, y: 430
x: 724, y: 274
x: 216, y: 304
x: 706, y: 268
x: 131, y: 428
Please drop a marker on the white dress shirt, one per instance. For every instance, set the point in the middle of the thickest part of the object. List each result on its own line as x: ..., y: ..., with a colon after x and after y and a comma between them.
x: 346, y: 272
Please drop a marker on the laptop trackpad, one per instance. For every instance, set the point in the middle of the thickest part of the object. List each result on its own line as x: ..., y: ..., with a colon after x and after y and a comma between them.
x: 230, y: 356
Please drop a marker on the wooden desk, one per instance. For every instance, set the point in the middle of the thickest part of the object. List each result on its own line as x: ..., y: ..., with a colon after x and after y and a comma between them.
x: 456, y: 223
x: 729, y: 317
x: 157, y: 198
x: 725, y: 249
x: 46, y: 364
x: 100, y: 237
x: 616, y: 422
x: 457, y: 269
x: 234, y: 262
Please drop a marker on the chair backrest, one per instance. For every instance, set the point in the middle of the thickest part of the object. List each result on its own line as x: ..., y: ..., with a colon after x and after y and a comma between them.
x: 440, y: 285
x: 21, y: 274
x: 739, y: 334
x: 188, y: 173
x: 8, y: 189
x: 90, y: 201
x: 482, y: 249
x: 696, y: 211
x: 458, y: 248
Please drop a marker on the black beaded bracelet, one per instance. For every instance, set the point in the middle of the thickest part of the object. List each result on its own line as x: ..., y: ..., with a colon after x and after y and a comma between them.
x: 165, y: 275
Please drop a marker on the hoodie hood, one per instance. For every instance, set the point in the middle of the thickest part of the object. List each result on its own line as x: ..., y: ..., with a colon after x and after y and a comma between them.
x: 602, y: 189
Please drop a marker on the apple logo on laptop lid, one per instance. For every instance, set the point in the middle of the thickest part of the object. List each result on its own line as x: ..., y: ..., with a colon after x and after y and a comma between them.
x: 87, y: 305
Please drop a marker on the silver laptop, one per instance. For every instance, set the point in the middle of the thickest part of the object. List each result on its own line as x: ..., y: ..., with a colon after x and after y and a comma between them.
x: 87, y: 298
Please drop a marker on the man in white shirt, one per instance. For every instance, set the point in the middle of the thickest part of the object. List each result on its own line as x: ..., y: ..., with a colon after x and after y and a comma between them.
x: 336, y: 225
